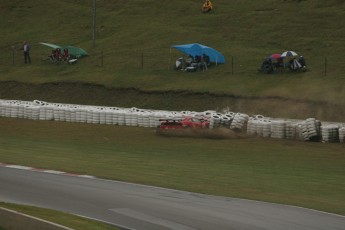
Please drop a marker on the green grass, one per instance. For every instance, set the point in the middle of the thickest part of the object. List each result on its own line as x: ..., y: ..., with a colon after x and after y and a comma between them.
x: 305, y: 174
x: 245, y: 30
x: 65, y: 219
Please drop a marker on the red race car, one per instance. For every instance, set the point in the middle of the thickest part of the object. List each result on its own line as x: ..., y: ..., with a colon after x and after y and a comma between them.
x: 185, y: 122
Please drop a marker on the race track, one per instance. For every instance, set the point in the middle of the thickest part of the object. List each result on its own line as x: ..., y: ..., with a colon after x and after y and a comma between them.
x: 151, y: 208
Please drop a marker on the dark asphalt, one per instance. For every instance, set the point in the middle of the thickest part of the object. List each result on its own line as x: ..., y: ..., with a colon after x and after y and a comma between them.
x: 151, y: 208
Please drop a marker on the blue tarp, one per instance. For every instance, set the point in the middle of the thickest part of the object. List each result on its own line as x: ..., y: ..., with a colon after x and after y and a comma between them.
x: 198, y: 49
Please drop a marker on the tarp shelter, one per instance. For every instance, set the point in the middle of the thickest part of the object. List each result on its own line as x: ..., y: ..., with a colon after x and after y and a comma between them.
x: 72, y: 50
x: 76, y: 51
x: 196, y: 49
x: 53, y: 46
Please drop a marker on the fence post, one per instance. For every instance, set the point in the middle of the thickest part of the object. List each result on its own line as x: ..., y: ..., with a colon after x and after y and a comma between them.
x: 325, y: 66
x: 94, y: 23
x: 232, y: 65
x: 142, y: 60
x: 13, y: 53
x: 102, y: 58
x: 169, y: 60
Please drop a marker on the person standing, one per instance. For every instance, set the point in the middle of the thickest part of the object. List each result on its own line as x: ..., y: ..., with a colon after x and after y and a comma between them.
x: 26, y: 50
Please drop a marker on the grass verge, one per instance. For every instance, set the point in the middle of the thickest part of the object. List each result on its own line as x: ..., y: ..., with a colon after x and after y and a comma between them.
x: 65, y: 219
x: 283, y: 171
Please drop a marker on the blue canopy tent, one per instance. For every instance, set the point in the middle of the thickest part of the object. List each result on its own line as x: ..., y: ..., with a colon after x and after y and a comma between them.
x: 198, y: 49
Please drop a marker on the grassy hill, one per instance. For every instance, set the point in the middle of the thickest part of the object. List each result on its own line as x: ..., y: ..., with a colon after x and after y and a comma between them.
x: 134, y: 37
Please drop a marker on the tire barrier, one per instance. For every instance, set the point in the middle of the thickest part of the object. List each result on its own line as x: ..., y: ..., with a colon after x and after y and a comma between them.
x: 215, y: 120
x: 253, y: 126
x: 239, y: 122
x: 330, y: 133
x: 259, y: 125
x: 256, y: 125
x: 291, y: 130
x: 226, y: 120
x: 310, y: 130
x: 278, y: 128
x: 342, y: 134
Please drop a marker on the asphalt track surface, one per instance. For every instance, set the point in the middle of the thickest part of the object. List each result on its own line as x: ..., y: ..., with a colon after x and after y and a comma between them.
x: 151, y: 208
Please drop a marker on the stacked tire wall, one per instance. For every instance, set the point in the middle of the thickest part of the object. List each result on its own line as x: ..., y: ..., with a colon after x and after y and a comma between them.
x: 255, y: 125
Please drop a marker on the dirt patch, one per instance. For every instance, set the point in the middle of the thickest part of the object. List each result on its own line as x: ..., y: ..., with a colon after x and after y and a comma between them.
x: 216, y: 133
x: 90, y: 94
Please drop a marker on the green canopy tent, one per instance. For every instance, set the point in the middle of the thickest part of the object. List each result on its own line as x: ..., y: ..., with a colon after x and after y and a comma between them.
x: 76, y: 51
x: 53, y: 46
x: 72, y: 50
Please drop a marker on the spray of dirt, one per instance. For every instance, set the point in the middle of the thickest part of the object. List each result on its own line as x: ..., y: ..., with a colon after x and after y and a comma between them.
x: 216, y: 133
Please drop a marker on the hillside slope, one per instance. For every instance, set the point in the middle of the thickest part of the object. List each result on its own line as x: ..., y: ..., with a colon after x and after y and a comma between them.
x: 133, y: 43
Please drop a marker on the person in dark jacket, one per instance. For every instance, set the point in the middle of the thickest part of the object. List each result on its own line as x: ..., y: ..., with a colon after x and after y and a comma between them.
x: 26, y: 51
